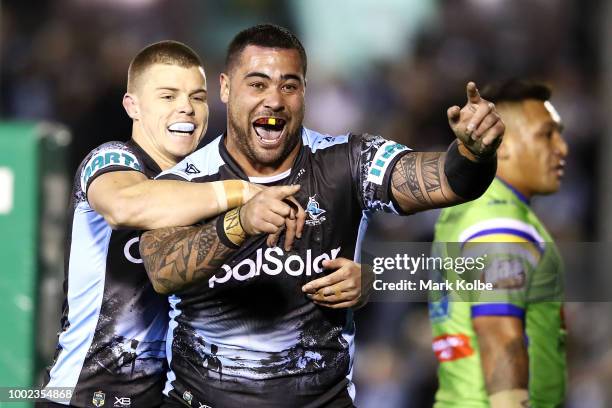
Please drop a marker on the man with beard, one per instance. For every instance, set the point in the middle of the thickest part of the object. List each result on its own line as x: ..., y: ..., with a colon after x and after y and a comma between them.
x: 275, y: 346
x: 112, y: 339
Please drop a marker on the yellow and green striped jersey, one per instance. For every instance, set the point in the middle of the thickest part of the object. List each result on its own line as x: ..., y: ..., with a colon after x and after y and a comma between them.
x: 524, y: 264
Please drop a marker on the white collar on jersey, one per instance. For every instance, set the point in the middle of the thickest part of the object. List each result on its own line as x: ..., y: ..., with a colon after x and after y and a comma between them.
x: 270, y: 179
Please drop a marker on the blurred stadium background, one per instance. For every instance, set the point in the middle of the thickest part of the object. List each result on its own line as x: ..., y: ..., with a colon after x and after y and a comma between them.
x: 390, y: 67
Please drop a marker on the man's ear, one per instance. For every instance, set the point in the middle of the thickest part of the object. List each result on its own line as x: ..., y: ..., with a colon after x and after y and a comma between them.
x: 225, y: 88
x: 130, y: 104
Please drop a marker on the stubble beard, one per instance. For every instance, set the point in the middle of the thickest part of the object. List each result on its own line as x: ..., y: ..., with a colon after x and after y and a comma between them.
x: 258, y: 157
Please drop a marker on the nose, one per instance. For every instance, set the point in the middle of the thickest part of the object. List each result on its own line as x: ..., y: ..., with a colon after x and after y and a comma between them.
x: 561, y: 146
x: 274, y: 100
x: 185, y: 106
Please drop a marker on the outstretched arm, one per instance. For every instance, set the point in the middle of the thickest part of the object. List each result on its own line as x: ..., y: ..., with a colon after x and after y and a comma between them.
x: 128, y: 199
x: 425, y: 180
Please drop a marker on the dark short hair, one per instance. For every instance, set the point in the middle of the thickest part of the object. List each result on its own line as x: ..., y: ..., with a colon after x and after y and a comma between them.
x: 264, y: 35
x: 516, y: 90
x: 164, y: 52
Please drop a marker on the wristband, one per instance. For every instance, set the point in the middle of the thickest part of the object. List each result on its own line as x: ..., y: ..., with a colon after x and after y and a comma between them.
x: 510, y: 399
x: 468, y: 179
x: 229, y: 229
x: 230, y: 193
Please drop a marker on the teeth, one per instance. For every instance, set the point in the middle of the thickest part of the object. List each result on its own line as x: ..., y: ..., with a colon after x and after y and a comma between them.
x: 182, y: 127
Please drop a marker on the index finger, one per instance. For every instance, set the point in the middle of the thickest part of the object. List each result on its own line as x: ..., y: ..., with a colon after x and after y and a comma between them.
x: 473, y: 96
x: 281, y: 192
x: 331, y: 279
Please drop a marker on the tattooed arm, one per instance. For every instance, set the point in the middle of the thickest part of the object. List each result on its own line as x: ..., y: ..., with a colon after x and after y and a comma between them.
x: 418, y: 182
x: 503, y: 355
x: 177, y: 257
x: 421, y: 181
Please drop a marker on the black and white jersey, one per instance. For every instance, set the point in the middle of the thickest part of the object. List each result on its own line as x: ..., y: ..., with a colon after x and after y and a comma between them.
x: 112, y: 340
x: 249, y: 336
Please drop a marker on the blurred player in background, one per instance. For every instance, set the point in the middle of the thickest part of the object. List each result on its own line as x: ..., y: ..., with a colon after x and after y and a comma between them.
x: 509, y: 352
x: 253, y: 314
x: 113, y: 329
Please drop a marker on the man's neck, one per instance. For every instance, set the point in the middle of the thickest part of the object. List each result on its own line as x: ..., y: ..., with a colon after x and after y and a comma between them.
x: 145, y: 144
x: 517, y: 188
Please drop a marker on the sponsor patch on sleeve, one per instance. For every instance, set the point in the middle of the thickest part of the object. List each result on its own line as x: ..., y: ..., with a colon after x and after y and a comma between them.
x: 450, y: 347
x: 382, y: 159
x: 107, y: 158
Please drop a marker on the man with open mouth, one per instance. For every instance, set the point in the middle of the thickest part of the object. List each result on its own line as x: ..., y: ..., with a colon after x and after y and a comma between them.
x: 112, y: 339
x: 258, y: 315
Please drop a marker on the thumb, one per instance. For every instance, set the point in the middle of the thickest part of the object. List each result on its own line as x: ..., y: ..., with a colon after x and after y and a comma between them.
x: 473, y: 96
x: 453, y: 113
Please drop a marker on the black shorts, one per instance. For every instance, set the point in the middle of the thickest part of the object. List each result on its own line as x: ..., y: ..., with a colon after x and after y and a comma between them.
x: 341, y: 399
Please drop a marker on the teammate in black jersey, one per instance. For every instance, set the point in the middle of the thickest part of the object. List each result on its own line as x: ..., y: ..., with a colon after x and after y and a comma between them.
x: 112, y: 340
x: 246, y: 332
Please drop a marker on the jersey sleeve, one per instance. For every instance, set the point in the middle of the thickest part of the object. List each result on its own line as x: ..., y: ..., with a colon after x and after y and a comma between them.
x: 372, y: 159
x: 512, y: 250
x: 112, y: 156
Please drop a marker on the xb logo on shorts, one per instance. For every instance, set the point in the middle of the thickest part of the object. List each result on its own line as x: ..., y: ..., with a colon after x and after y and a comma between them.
x: 315, y: 213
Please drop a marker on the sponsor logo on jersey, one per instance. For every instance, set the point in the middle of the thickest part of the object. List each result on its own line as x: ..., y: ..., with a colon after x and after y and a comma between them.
x: 438, y: 310
x: 107, y: 158
x: 129, y: 253
x: 122, y: 402
x: 506, y: 274
x: 450, y: 347
x: 315, y: 212
x: 270, y: 261
x: 190, y: 168
x: 98, y: 398
x: 382, y: 159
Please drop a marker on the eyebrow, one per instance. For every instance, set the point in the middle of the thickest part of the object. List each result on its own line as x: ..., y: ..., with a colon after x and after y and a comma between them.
x: 284, y: 77
x: 169, y: 88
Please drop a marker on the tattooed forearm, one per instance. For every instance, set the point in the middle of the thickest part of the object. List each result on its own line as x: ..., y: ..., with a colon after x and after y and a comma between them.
x: 418, y: 182
x: 178, y: 256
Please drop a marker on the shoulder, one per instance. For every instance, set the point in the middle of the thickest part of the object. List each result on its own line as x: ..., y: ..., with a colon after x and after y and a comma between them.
x: 495, y: 215
x: 203, y: 162
x: 111, y: 154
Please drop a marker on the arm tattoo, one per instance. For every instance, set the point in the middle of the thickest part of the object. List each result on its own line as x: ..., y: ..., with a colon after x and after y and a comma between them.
x: 418, y: 182
x: 178, y: 256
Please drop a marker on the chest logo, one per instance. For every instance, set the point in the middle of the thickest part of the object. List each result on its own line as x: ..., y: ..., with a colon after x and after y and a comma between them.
x: 315, y: 212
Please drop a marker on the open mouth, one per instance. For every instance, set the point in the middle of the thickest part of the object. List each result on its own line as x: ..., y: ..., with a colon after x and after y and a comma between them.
x: 182, y: 129
x: 560, y: 169
x: 269, y: 129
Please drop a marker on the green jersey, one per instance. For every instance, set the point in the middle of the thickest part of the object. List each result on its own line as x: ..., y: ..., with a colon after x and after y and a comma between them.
x: 525, y: 266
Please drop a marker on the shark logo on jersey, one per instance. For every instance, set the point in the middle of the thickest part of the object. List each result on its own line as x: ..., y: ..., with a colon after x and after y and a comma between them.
x: 315, y: 212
